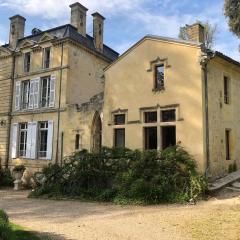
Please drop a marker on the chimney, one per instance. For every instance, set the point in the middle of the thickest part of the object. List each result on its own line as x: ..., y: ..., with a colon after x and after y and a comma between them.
x: 79, y: 17
x: 17, y: 28
x: 98, y: 27
x: 196, y: 32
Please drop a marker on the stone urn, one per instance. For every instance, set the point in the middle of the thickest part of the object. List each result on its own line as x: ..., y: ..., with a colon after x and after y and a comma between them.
x: 18, y: 173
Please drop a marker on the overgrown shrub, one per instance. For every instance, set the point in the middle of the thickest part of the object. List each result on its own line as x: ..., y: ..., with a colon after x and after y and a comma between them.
x: 123, y: 175
x: 6, y: 179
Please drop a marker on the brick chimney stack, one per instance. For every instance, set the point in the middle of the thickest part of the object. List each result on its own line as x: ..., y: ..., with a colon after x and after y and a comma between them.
x: 98, y: 28
x: 79, y: 17
x: 196, y: 32
x: 17, y: 28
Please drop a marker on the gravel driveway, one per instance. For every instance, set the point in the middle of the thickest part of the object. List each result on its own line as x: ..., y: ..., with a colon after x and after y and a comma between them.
x: 215, y: 219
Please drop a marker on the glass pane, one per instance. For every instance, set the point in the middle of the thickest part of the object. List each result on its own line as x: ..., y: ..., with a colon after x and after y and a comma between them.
x: 159, y: 81
x: 168, y: 115
x: 150, y: 117
x: 150, y: 138
x: 119, y: 119
x: 119, y: 137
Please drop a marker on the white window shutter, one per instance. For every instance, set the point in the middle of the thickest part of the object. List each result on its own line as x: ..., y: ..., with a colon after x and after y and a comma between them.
x: 29, y: 140
x: 14, y: 139
x: 31, y: 94
x: 50, y: 140
x: 34, y: 141
x: 17, y: 95
x: 52, y: 91
x: 36, y: 92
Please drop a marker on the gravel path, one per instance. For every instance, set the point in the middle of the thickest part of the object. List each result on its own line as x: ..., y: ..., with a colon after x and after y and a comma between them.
x: 73, y: 220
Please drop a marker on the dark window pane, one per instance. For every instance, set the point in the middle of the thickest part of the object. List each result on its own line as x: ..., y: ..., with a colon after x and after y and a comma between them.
x: 150, y: 117
x: 226, y: 90
x: 227, y: 138
x: 159, y: 77
x: 77, y: 139
x: 27, y: 62
x: 119, y: 119
x: 150, y: 138
x: 47, y: 58
x: 168, y: 115
x: 119, y: 138
x: 168, y: 137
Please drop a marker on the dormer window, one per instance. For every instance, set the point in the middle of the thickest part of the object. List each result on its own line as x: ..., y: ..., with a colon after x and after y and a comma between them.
x: 159, y: 77
x: 46, y: 57
x: 27, y: 62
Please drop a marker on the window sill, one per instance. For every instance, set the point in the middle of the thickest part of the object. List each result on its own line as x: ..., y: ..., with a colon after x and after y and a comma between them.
x: 158, y: 89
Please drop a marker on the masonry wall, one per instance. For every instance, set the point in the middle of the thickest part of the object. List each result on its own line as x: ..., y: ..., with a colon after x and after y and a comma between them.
x: 85, y: 75
x: 5, y: 104
x: 223, y: 116
x: 129, y: 88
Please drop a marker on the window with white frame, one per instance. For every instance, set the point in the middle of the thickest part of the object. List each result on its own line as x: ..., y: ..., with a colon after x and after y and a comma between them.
x: 35, y: 93
x: 46, y: 57
x: 23, y: 130
x: 45, y: 91
x: 32, y: 140
x: 25, y: 94
x: 42, y: 140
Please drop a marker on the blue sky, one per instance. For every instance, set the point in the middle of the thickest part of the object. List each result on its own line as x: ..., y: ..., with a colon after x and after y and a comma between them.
x: 126, y: 20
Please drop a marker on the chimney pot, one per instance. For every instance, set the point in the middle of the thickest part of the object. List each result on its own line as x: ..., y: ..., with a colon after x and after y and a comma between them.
x: 79, y: 17
x: 98, y: 30
x: 17, y: 28
x: 196, y: 32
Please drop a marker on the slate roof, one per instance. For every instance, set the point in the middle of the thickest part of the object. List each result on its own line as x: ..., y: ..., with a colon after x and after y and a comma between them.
x: 69, y: 31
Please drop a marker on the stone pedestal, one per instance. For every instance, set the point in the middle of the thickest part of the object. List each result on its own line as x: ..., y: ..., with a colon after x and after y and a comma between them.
x: 17, y: 185
x: 18, y: 181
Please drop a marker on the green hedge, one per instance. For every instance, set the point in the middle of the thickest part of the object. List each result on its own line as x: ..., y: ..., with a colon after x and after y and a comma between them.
x: 6, y: 179
x: 124, y: 176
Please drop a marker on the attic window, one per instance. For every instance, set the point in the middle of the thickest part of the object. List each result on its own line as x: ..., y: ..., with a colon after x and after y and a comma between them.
x: 27, y: 62
x: 159, y: 77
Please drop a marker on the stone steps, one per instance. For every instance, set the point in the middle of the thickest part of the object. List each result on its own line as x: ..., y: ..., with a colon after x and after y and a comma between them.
x: 222, y: 182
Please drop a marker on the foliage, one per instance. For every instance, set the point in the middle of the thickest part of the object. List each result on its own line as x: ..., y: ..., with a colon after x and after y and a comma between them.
x: 209, y: 34
x: 9, y: 231
x: 19, y: 168
x: 6, y: 179
x: 232, y: 167
x: 232, y: 12
x: 125, y: 176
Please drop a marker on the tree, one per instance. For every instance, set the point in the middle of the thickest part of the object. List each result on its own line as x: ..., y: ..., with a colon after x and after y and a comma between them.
x: 232, y: 12
x: 209, y: 35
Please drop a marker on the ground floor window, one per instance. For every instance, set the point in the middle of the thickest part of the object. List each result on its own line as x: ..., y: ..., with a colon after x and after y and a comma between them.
x: 227, y: 143
x: 168, y: 135
x: 150, y: 138
x: 23, y: 129
x: 43, y: 137
x: 119, y: 137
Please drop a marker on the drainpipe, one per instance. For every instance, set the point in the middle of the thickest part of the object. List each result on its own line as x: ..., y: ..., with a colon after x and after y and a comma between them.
x: 10, y: 111
x: 59, y: 106
x: 205, y: 70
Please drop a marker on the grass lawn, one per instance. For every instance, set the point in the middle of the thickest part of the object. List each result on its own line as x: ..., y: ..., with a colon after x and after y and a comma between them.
x: 19, y: 233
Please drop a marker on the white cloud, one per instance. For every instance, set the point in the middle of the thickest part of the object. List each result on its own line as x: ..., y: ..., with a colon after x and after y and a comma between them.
x: 138, y: 17
x: 54, y: 9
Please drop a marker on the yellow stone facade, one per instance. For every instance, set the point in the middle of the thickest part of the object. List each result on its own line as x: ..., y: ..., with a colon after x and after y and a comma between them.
x: 62, y: 91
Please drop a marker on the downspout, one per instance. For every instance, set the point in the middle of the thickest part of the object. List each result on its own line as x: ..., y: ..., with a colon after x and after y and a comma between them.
x: 10, y: 111
x: 59, y: 105
x: 205, y: 70
x: 205, y: 58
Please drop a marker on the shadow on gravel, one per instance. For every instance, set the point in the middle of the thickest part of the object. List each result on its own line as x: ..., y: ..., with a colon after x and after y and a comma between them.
x: 51, y: 236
